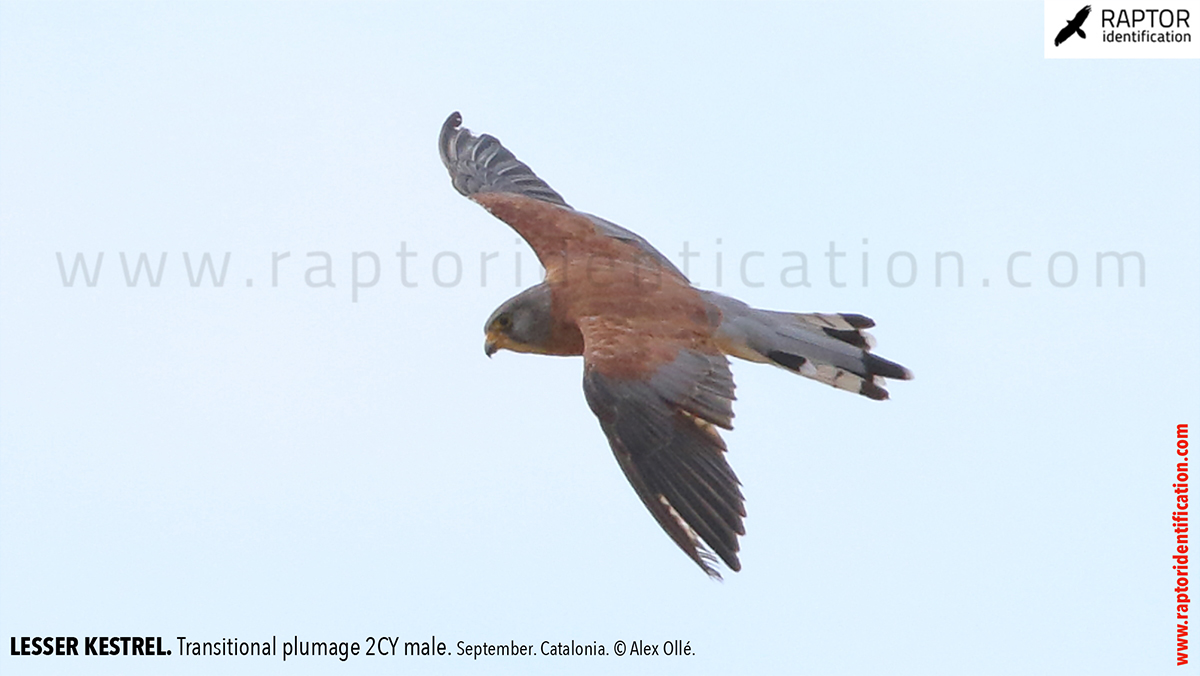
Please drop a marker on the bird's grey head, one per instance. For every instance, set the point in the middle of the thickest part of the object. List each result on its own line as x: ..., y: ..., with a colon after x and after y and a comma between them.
x: 522, y: 323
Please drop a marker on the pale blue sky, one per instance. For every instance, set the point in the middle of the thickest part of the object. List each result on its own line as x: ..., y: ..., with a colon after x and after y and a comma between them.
x: 254, y: 460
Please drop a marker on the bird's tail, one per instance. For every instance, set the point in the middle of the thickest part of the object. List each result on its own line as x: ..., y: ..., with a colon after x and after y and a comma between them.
x: 831, y: 348
x: 1081, y: 33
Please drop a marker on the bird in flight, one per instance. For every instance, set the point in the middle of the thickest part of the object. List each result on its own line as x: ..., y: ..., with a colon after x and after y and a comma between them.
x: 1074, y: 26
x: 654, y: 347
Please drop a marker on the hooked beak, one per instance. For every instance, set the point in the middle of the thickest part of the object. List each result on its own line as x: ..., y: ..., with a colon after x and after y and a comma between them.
x: 490, y: 347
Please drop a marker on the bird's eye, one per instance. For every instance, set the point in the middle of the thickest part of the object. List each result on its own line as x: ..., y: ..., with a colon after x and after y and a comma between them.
x: 503, y: 322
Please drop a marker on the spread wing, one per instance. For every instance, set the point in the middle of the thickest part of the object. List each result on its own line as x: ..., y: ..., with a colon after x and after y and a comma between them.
x: 659, y: 399
x: 1082, y: 16
x: 480, y: 164
x: 488, y: 173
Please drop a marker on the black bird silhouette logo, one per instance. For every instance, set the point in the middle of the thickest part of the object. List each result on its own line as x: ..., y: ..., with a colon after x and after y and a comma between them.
x: 1074, y: 26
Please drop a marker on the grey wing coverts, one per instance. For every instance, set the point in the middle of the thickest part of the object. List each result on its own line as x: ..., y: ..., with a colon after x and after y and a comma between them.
x: 662, y: 433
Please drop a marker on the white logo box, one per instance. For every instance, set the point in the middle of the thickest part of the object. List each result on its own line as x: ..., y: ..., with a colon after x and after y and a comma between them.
x: 1133, y: 29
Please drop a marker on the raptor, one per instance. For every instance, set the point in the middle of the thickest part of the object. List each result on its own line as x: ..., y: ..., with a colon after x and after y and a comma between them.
x: 1074, y: 26
x: 654, y: 347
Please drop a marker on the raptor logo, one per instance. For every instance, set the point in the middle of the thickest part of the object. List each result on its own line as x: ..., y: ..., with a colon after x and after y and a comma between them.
x: 1074, y: 26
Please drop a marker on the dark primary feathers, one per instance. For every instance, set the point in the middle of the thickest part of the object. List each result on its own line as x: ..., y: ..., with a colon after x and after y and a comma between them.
x: 662, y: 433
x: 656, y: 372
x: 479, y: 164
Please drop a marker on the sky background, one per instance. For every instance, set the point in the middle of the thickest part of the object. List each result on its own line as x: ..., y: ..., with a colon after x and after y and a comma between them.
x: 253, y: 459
